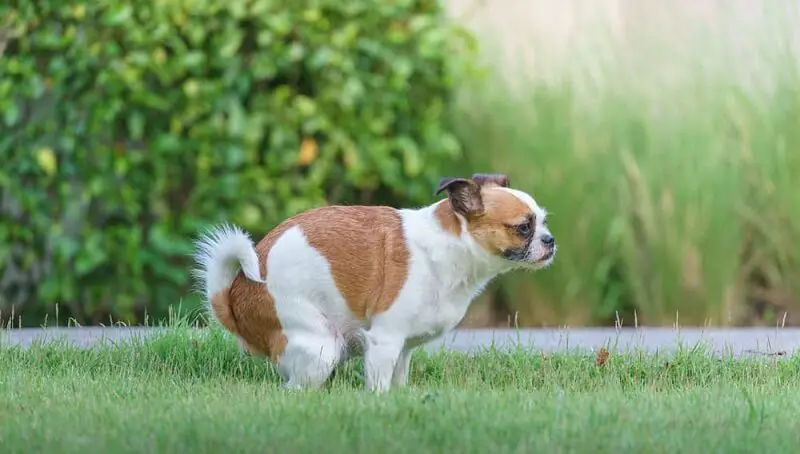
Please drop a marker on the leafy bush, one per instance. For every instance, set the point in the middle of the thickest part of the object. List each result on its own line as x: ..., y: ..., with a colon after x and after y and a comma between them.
x: 125, y: 127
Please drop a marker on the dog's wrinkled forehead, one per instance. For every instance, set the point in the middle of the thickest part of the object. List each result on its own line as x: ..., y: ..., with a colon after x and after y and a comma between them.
x: 506, y: 206
x: 533, y: 207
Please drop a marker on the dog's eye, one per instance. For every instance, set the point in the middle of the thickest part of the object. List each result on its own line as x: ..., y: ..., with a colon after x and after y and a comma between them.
x: 524, y: 229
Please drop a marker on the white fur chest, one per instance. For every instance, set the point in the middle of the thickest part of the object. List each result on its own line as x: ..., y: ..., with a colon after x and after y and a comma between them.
x: 445, y: 275
x: 434, y: 317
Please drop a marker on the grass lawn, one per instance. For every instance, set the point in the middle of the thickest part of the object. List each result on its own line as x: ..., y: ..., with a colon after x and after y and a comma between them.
x: 182, y: 392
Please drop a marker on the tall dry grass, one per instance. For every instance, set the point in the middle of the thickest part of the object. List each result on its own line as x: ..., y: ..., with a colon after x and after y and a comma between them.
x: 663, y: 137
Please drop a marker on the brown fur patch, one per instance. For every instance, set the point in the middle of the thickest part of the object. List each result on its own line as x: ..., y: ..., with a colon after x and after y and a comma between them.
x: 220, y: 304
x: 502, y: 210
x: 447, y: 218
x: 491, y: 179
x: 366, y: 249
x: 253, y: 307
x: 491, y: 229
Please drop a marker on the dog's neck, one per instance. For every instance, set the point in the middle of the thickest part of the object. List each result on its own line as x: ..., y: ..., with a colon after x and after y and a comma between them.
x: 456, y: 258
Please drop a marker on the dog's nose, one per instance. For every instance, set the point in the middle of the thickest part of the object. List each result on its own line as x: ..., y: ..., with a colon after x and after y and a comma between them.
x: 548, y: 240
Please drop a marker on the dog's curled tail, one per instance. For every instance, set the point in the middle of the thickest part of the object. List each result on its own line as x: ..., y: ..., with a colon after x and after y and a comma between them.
x: 219, y: 256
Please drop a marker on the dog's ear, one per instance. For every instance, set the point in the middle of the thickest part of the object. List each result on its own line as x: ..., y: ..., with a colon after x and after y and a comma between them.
x: 491, y: 179
x: 465, y: 195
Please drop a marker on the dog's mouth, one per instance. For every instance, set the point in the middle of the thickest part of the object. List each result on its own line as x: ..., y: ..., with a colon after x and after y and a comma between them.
x: 547, y: 255
x: 523, y: 257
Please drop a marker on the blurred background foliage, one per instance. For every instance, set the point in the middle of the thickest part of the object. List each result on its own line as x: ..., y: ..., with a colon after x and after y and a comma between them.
x: 662, y: 138
x: 130, y: 126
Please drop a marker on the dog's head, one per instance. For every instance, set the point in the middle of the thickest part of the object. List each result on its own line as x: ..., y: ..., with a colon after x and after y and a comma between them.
x: 506, y: 222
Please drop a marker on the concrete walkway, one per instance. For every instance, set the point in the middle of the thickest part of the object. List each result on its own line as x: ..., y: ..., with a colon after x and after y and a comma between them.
x: 739, y: 341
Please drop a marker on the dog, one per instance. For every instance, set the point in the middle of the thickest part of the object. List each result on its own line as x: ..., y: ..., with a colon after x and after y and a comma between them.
x: 373, y: 281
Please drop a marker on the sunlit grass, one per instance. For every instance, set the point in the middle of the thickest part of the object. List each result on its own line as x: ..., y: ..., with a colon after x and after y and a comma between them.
x: 189, y: 390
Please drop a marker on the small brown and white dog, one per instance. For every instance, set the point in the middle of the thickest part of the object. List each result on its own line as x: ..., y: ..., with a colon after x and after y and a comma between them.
x: 369, y: 280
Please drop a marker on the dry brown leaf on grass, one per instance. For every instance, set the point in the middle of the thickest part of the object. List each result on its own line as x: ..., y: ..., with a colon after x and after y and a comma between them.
x: 602, y: 357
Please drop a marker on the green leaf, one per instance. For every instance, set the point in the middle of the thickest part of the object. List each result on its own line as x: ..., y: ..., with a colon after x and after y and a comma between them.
x: 118, y: 14
x: 89, y: 258
x: 11, y: 114
x: 412, y: 160
x: 136, y: 122
x: 231, y: 42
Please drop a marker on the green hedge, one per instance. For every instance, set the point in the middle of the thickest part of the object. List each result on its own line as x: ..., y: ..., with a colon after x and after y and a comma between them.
x: 127, y: 126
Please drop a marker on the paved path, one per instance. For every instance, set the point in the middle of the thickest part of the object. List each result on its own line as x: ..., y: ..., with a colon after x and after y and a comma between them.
x: 758, y: 341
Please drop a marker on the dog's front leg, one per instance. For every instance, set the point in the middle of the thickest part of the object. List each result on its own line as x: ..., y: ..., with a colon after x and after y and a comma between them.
x: 380, y: 358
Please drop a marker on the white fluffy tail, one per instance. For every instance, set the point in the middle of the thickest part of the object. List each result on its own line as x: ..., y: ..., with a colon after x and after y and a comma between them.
x: 219, y: 256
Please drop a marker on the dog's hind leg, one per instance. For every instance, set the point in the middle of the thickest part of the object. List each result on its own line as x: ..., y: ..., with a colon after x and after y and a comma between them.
x: 309, y: 359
